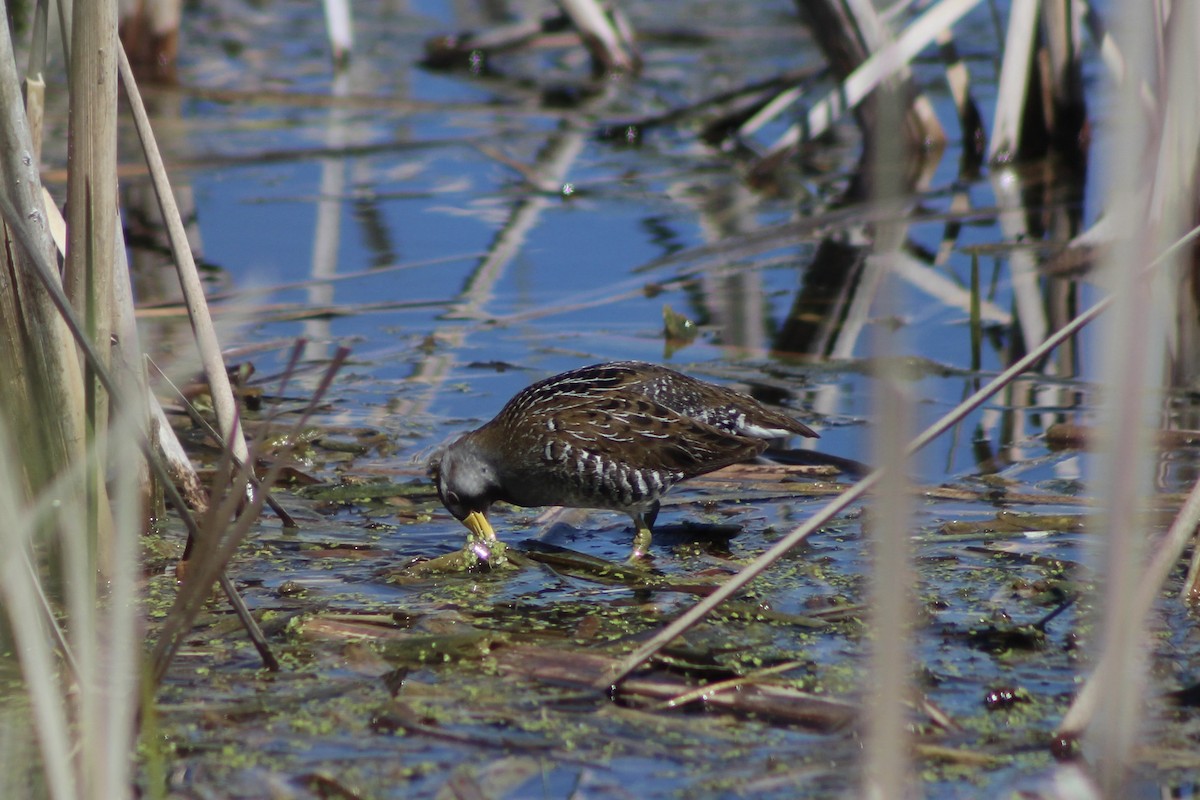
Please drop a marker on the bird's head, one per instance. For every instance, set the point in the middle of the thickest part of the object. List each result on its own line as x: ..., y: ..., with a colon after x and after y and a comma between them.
x: 466, y: 484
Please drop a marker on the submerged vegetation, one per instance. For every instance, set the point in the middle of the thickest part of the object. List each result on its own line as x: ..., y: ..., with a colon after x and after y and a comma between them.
x: 222, y: 574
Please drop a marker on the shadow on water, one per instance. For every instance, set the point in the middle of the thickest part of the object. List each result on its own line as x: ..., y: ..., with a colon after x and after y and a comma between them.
x: 468, y: 232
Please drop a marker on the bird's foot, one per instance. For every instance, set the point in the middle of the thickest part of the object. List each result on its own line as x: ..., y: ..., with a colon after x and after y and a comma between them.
x: 639, y: 556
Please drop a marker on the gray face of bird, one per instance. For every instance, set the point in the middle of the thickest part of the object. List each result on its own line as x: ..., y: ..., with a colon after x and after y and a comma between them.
x: 466, y: 481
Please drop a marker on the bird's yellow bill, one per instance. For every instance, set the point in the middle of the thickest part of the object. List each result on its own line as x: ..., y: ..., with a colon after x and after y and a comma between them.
x: 479, y: 527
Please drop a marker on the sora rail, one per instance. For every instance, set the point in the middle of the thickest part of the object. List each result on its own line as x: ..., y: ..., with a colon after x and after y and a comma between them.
x: 613, y: 436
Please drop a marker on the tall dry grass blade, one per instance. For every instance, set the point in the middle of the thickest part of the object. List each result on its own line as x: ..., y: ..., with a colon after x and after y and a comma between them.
x: 33, y: 643
x: 121, y: 619
x: 888, y: 772
x: 1109, y: 708
x: 92, y: 678
x: 224, y: 402
x: 88, y: 675
x: 221, y: 391
x: 887, y: 744
x: 1170, y: 548
x: 1124, y: 465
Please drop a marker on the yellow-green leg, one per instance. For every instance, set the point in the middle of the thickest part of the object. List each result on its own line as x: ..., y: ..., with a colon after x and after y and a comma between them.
x: 641, y: 539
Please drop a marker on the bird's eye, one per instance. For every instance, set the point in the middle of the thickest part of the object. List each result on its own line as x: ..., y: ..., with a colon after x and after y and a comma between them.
x: 454, y: 504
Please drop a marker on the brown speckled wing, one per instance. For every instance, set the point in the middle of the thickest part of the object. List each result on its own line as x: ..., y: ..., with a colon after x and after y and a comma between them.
x: 715, y: 405
x: 614, y: 427
x: 617, y: 435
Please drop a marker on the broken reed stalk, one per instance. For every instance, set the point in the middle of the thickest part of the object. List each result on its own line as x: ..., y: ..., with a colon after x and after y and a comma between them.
x: 611, y: 45
x: 1015, y: 71
x: 861, y: 69
x: 1040, y: 101
x: 181, y: 465
x: 214, y: 551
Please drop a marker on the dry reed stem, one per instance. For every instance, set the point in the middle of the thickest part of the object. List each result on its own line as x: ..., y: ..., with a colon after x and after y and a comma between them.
x: 41, y: 365
x: 887, y: 769
x: 224, y: 402
x: 91, y: 227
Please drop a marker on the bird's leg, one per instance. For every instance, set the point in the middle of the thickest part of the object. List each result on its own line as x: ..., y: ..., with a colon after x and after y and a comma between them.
x: 482, y: 543
x: 641, y: 537
x: 651, y: 514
